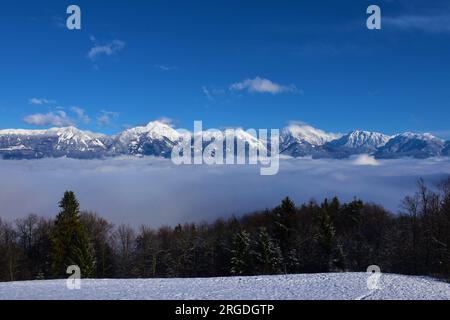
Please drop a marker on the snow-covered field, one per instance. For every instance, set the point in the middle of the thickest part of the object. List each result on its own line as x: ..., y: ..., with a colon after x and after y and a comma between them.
x: 340, y: 286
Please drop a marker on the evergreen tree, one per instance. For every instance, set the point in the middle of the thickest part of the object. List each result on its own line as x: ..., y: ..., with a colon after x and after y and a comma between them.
x: 268, y: 254
x: 335, y: 205
x: 285, y: 231
x: 241, y: 261
x: 70, y: 243
x: 325, y: 238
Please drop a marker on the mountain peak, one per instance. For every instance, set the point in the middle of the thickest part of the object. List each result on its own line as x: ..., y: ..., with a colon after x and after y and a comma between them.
x: 160, y: 130
x: 358, y: 138
x: 306, y: 133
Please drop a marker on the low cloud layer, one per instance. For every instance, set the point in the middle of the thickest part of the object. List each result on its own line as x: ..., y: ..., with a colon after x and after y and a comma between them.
x: 365, y: 160
x: 155, y: 192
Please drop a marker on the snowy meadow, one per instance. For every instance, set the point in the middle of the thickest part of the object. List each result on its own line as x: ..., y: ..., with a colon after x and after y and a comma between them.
x: 331, y: 286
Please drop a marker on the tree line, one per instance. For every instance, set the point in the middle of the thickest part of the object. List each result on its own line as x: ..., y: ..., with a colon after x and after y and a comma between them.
x: 314, y: 237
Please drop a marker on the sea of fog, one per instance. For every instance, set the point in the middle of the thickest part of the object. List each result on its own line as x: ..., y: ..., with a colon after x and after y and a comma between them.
x: 155, y: 192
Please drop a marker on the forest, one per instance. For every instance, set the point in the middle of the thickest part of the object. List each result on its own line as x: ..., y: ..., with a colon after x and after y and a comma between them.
x: 313, y: 237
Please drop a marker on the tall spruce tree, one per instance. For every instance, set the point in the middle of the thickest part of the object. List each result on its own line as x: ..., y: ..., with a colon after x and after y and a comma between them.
x: 70, y: 243
x: 242, y: 259
x: 285, y: 233
x: 268, y: 254
x: 326, y: 238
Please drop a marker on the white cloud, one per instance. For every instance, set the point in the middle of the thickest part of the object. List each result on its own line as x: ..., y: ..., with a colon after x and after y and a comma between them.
x: 40, y: 101
x: 106, y: 118
x: 430, y: 24
x: 107, y: 49
x: 81, y: 115
x: 365, y: 160
x: 261, y: 85
x: 56, y: 119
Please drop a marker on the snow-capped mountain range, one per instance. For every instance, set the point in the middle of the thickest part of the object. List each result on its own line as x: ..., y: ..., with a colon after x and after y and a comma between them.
x: 158, y: 139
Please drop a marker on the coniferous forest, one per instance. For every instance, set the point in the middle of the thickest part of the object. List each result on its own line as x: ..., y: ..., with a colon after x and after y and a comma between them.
x: 314, y: 237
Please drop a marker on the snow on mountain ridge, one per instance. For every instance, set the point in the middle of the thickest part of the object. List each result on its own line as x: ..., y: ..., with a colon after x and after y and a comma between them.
x: 420, y: 136
x: 306, y: 133
x: 158, y: 130
x: 51, y: 131
x: 68, y: 136
x: 408, y: 144
x: 158, y: 139
x: 244, y: 136
x: 359, y: 139
x: 22, y: 132
x: 155, y: 130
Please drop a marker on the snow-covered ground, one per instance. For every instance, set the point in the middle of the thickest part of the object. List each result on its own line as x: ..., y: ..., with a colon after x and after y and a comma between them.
x: 340, y: 286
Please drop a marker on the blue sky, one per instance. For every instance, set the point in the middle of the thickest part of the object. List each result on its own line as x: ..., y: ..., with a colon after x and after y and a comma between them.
x: 256, y: 64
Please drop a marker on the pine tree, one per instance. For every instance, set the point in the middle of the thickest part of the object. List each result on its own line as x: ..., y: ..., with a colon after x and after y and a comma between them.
x: 241, y: 261
x: 285, y: 226
x: 326, y: 238
x: 268, y: 254
x: 70, y: 243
